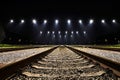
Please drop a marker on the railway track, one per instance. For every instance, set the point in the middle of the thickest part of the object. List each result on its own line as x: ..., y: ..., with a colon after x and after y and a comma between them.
x: 61, y: 64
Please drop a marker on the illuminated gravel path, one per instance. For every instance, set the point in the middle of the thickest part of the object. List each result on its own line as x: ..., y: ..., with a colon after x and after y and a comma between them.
x: 110, y: 55
x: 63, y: 64
x: 14, y: 56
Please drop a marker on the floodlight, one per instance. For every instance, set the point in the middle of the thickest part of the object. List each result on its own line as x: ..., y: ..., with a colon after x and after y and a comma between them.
x: 48, y: 32
x: 40, y: 32
x: 22, y: 21
x: 68, y: 21
x: 91, y: 21
x: 84, y: 32
x: 53, y: 32
x: 72, y: 32
x: 77, y: 32
x: 66, y: 32
x: 56, y: 21
x: 34, y: 21
x: 114, y: 21
x: 103, y: 21
x: 80, y: 21
x: 59, y: 32
x: 45, y: 21
x: 11, y: 21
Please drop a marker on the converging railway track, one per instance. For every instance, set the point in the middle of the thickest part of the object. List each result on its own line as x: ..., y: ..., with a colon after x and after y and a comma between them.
x: 61, y: 63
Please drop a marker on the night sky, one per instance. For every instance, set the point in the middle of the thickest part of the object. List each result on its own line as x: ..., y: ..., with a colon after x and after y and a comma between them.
x: 58, y: 7
x: 62, y: 9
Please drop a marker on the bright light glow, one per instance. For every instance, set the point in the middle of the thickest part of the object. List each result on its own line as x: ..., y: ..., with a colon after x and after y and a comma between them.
x: 60, y: 36
x: 19, y: 40
x: 77, y: 32
x: 71, y: 35
x: 59, y: 32
x: 69, y: 21
x: 40, y: 32
x: 48, y: 32
x: 80, y: 21
x: 65, y: 36
x: 66, y: 32
x: 72, y: 32
x: 54, y: 36
x: 103, y: 21
x: 45, y: 21
x: 91, y: 21
x: 53, y: 32
x: 56, y: 21
x: 114, y: 21
x: 22, y: 21
x: 34, y: 21
x: 84, y: 32
x: 11, y: 21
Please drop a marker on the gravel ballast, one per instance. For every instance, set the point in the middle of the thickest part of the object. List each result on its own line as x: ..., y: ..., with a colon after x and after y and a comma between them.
x: 14, y: 56
x: 110, y: 55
